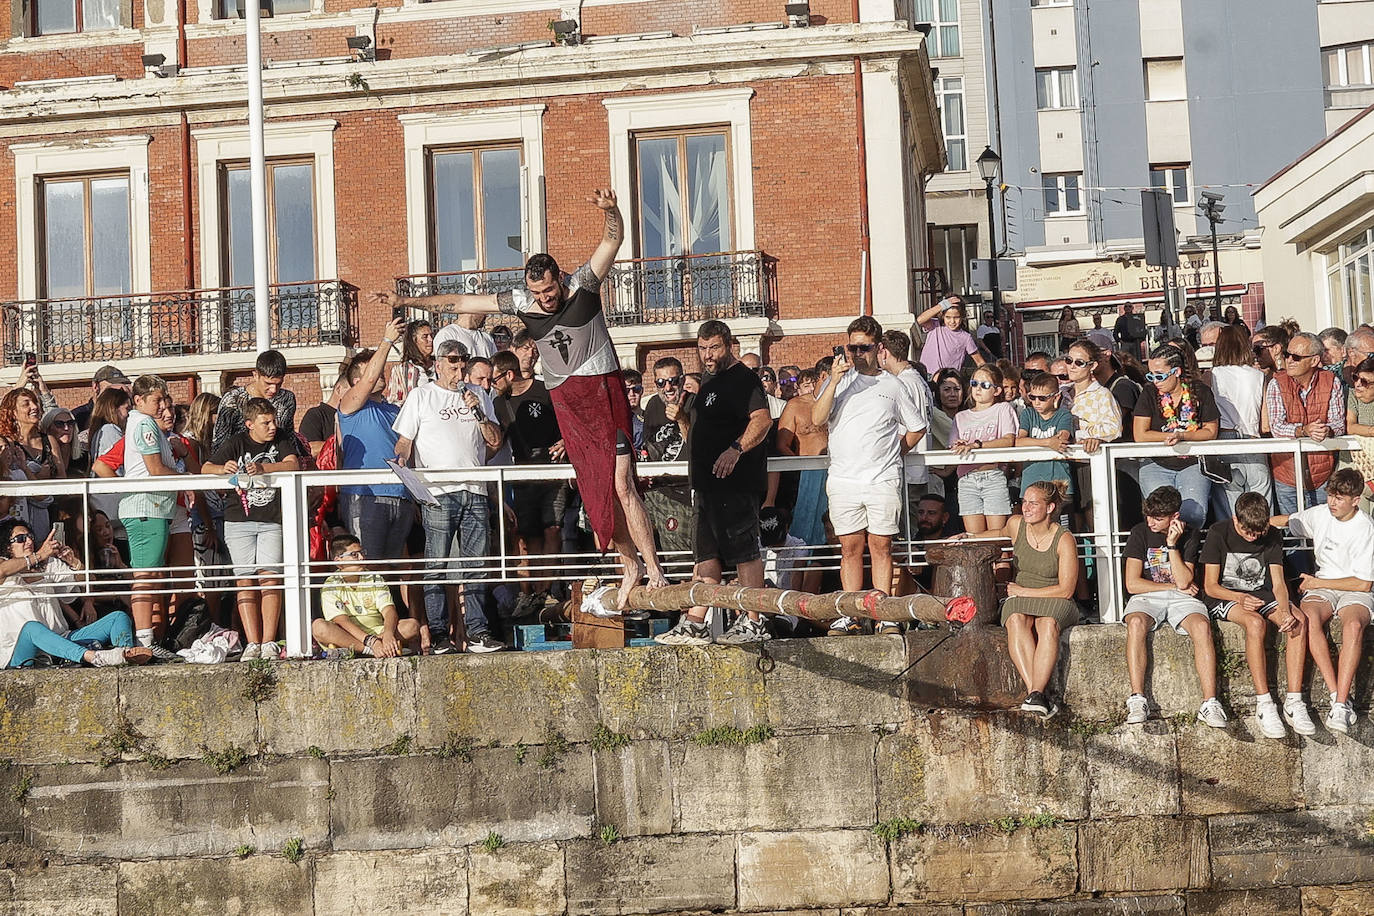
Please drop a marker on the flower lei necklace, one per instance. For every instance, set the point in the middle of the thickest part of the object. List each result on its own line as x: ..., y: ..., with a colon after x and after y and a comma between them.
x: 1179, y: 409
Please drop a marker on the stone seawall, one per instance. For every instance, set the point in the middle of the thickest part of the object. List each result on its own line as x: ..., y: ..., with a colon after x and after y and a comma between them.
x: 860, y: 776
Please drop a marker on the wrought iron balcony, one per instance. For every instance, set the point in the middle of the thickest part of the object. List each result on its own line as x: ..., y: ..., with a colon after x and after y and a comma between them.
x: 186, y: 322
x: 682, y: 288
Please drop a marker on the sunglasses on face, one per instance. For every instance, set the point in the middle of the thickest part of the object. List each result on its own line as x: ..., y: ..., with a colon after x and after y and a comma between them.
x: 671, y: 382
x: 1362, y: 382
x: 1159, y: 376
x: 1291, y: 355
x: 1062, y: 376
x: 453, y: 360
x: 637, y: 389
x: 1078, y: 363
x: 861, y: 348
x: 1039, y: 397
x: 979, y: 383
x: 21, y: 538
x: 789, y: 380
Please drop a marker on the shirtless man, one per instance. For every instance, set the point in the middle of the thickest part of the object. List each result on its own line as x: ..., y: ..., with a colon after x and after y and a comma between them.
x: 581, y: 370
x: 799, y: 435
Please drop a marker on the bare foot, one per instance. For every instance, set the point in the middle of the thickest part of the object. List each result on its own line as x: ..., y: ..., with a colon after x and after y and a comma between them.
x: 633, y: 573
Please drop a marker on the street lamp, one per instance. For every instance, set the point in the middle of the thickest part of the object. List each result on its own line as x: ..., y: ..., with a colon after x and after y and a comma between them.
x: 989, y: 164
x: 1211, y: 207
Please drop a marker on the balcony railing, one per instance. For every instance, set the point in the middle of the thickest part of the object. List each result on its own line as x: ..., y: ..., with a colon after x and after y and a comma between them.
x: 186, y: 322
x: 682, y: 288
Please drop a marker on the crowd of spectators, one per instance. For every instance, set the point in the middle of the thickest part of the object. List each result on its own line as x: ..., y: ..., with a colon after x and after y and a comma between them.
x: 465, y: 396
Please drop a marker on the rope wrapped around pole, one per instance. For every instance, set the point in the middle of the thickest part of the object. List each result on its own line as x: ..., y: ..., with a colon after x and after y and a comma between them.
x: 873, y: 605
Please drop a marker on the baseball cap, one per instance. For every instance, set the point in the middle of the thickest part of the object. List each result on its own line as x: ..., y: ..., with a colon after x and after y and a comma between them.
x: 110, y: 374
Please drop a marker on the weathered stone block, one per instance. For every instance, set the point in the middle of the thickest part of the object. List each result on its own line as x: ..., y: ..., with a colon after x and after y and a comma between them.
x: 968, y: 670
x: 1332, y: 766
x: 358, y: 705
x: 525, y: 879
x: 1092, y: 670
x: 134, y: 811
x: 431, y: 881
x: 811, y: 868
x: 261, y: 885
x: 650, y: 875
x: 1143, y: 854
x: 1292, y: 848
x: 956, y: 768
x: 634, y: 788
x: 1350, y: 900
x: 1237, y: 769
x: 419, y: 801
x: 1162, y: 905
x: 1133, y: 770
x: 910, y: 910
x: 755, y: 787
x: 952, y: 866
x: 511, y: 697
x: 637, y: 690
x: 179, y: 708
x: 86, y: 889
x: 56, y: 716
x: 824, y: 683
x: 1362, y: 692
x: 1279, y: 901
x: 720, y: 686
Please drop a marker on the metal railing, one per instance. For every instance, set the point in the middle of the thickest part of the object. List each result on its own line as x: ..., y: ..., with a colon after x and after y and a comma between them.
x: 1103, y: 543
x: 682, y: 288
x: 177, y: 323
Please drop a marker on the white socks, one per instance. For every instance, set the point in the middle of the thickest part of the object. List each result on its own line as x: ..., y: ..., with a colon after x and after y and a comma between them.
x: 143, y: 638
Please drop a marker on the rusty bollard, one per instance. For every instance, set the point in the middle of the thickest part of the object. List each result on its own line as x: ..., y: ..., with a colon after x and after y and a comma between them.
x: 965, y: 568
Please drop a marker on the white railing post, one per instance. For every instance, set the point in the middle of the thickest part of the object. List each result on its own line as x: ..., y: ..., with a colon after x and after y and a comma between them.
x: 295, y: 557
x: 1100, y: 469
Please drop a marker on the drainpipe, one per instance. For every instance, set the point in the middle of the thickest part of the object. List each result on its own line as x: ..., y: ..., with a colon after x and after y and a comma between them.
x: 866, y: 283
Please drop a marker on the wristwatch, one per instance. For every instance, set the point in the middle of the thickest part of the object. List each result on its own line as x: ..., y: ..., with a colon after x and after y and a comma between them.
x: 737, y: 447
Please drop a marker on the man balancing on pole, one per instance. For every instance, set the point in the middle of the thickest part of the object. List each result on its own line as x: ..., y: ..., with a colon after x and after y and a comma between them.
x: 582, y: 373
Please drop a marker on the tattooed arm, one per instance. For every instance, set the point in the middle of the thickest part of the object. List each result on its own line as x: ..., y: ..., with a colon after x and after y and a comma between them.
x: 604, y: 256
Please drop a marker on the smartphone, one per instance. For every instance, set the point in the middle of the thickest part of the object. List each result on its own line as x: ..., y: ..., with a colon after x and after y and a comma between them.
x: 59, y: 532
x: 398, y: 313
x: 839, y: 352
x: 30, y: 359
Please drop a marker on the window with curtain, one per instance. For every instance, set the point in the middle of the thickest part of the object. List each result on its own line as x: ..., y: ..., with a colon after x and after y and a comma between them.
x: 943, y: 17
x: 474, y: 209
x: 1349, y: 65
x: 684, y: 208
x: 55, y: 17
x: 86, y: 252
x: 290, y: 241
x: 950, y: 98
x: 1056, y: 87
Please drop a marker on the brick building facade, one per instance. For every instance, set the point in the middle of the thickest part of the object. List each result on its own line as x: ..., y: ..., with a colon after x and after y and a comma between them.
x: 750, y: 146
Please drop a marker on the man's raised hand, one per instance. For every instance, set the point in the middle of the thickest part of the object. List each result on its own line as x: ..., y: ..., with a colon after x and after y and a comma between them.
x: 387, y: 299
x: 602, y: 198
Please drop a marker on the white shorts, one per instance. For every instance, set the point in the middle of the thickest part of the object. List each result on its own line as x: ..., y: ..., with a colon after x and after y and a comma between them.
x: 854, y: 506
x: 1172, y: 606
x: 1339, y: 599
x: 181, y: 521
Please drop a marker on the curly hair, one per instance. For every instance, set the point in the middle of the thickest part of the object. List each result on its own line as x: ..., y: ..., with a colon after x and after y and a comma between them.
x: 9, y: 409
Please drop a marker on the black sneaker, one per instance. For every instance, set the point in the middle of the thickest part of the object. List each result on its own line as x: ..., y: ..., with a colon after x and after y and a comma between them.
x: 486, y: 643
x: 163, y: 654
x: 441, y: 645
x: 1035, y: 702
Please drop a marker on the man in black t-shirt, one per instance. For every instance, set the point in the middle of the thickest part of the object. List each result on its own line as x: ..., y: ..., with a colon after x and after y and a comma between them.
x: 669, y: 499
x: 1243, y: 582
x: 1130, y: 331
x: 252, y: 519
x: 727, y: 469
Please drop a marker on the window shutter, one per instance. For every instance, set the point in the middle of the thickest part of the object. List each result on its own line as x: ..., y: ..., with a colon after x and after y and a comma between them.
x: 20, y: 14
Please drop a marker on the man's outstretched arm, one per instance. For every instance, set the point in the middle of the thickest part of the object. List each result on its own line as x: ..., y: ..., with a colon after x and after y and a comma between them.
x: 604, y: 257
x: 463, y: 303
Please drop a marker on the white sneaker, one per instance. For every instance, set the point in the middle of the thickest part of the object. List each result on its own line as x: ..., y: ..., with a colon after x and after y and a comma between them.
x: 1296, y: 713
x: 1137, y: 709
x: 1340, y: 718
x: 1211, y: 713
x: 251, y: 652
x: 109, y: 658
x: 1270, y: 722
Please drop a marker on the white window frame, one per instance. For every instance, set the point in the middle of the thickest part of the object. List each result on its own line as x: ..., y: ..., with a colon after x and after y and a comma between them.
x: 283, y: 140
x: 33, y: 161
x: 1167, y: 169
x: 630, y: 114
x: 941, y: 91
x: 1339, y: 261
x: 1340, y: 51
x: 937, y: 47
x: 1037, y: 4
x: 1057, y: 102
x: 523, y: 124
x: 1061, y: 186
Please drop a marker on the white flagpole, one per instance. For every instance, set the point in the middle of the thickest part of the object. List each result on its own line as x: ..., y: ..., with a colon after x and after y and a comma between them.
x: 257, y: 179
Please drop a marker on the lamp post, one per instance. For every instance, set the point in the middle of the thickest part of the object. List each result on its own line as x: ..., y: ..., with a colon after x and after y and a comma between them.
x: 1211, y: 207
x: 989, y: 163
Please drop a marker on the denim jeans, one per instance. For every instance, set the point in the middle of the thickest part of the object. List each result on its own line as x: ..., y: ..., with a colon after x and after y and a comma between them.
x: 381, y: 523
x: 114, y: 629
x: 1286, y: 495
x: 1191, y: 485
x: 1249, y: 474
x: 457, y: 527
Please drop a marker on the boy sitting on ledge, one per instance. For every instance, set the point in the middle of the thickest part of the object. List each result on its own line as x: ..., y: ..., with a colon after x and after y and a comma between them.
x: 359, y: 614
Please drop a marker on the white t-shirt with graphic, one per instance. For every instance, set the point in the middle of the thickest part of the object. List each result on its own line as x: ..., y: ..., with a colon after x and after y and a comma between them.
x: 445, y: 432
